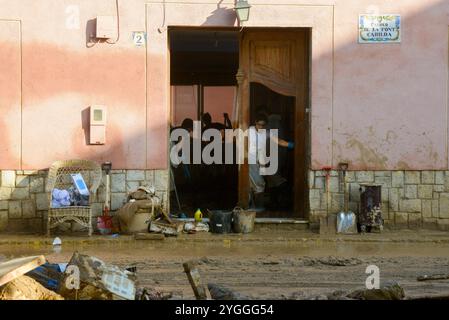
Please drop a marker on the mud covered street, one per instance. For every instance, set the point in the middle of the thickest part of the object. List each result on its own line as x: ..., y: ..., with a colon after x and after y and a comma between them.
x: 267, y: 270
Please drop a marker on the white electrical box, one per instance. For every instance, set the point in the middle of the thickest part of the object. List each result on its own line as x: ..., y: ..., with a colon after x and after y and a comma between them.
x: 106, y: 27
x: 97, y: 125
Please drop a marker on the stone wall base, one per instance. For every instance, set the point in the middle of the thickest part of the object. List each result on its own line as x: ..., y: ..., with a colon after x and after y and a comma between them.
x: 410, y: 199
x: 24, y: 203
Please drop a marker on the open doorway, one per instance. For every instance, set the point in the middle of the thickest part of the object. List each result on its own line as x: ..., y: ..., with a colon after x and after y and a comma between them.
x: 203, y: 65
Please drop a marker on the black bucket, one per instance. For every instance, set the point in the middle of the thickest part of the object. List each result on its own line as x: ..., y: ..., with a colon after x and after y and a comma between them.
x: 220, y: 221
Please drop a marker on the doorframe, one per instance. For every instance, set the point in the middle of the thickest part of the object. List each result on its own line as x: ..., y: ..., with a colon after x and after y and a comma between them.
x: 243, y: 89
x: 301, y: 208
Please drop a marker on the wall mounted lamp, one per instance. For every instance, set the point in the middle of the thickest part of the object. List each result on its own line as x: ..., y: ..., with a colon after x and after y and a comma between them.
x: 242, y: 10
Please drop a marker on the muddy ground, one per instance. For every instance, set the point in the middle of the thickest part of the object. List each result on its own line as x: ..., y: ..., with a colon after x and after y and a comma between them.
x: 261, y: 270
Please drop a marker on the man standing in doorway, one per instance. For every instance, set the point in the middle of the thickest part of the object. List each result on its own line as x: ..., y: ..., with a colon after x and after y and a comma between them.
x: 259, y: 137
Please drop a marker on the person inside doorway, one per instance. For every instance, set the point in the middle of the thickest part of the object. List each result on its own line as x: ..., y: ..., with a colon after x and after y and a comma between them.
x: 259, y: 137
x: 206, y: 122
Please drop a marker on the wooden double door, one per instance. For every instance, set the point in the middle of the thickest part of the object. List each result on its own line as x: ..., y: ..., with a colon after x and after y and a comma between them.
x: 279, y: 60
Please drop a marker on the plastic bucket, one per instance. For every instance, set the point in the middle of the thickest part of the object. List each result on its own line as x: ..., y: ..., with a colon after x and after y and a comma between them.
x: 243, y: 221
x: 220, y: 221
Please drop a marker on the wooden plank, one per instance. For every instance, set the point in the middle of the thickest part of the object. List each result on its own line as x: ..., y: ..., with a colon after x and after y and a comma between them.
x: 201, y: 291
x: 15, y: 268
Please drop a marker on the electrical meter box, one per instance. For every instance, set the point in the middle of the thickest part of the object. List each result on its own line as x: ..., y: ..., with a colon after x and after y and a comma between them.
x: 97, y: 125
x: 106, y: 27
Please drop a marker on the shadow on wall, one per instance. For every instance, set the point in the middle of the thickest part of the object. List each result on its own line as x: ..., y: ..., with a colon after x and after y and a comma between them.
x: 85, y: 120
x: 221, y: 16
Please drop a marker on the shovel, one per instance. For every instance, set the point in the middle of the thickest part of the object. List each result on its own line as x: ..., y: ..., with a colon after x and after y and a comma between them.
x: 346, y: 220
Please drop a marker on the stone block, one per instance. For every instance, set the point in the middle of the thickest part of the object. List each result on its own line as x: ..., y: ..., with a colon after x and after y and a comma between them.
x: 430, y: 223
x: 438, y: 188
x: 315, y: 216
x: 439, y: 177
x: 28, y: 209
x: 30, y: 172
x: 384, y: 193
x: 8, y: 178
x: 354, y: 207
x: 5, y: 193
x: 101, y: 194
x: 135, y: 175
x: 446, y: 180
x: 149, y: 176
x: 314, y: 194
x: 337, y: 202
x: 118, y: 182
x: 36, y: 184
x: 414, y: 221
x: 311, y: 178
x: 334, y: 173
x: 20, y: 194
x: 41, y: 201
x: 4, y: 205
x: 324, y: 200
x: 395, y: 195
x: 315, y: 203
x: 401, y: 219
x: 425, y: 191
x: 444, y: 208
x: 25, y: 225
x: 320, y: 173
x: 15, y: 209
x: 132, y: 186
x: 443, y: 224
x: 22, y: 181
x: 334, y: 184
x: 161, y: 179
x: 384, y: 181
x: 411, y: 191
x: 410, y: 205
x: 412, y: 177
x: 426, y: 208
x: 435, y: 208
x: 427, y: 177
x: 97, y: 209
x: 320, y: 182
x: 389, y: 222
x: 117, y: 200
x: 3, y: 220
x: 364, y: 176
x: 350, y: 176
x: 382, y: 174
x: 397, y: 179
x: 354, y: 192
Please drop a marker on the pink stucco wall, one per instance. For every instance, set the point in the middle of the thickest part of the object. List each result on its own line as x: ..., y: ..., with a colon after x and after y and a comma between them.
x: 381, y: 106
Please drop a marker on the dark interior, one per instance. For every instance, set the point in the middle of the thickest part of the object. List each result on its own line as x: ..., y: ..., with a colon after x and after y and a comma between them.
x: 211, y: 57
x: 204, y: 58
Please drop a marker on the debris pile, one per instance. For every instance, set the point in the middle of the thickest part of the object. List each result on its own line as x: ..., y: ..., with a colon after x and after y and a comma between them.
x: 26, y: 288
x: 83, y: 278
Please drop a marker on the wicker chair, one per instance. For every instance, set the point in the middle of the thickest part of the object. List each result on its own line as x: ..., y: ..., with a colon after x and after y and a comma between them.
x: 59, y: 177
